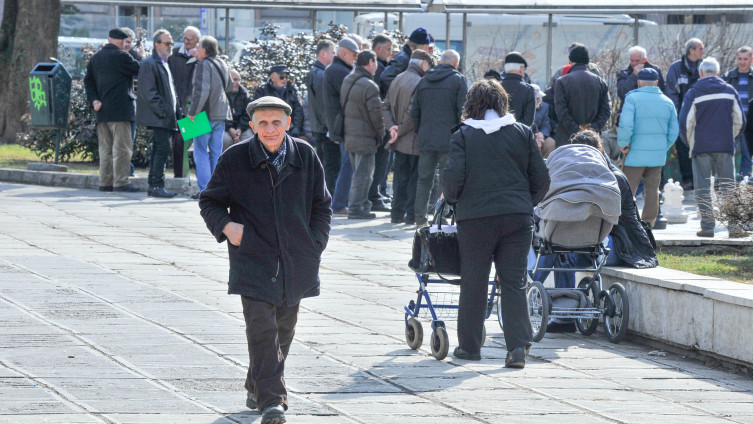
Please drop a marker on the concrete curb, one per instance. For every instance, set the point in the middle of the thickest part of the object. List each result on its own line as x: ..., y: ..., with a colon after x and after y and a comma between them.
x: 90, y: 181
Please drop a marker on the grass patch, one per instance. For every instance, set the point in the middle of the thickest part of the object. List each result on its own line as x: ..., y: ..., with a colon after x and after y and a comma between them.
x: 14, y: 156
x: 734, y: 264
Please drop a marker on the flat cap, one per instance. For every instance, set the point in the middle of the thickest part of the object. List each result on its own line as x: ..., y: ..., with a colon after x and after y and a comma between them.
x: 648, y: 74
x: 117, y: 34
x: 349, y: 44
x: 423, y: 55
x: 268, y: 102
x: 515, y: 57
x: 280, y: 69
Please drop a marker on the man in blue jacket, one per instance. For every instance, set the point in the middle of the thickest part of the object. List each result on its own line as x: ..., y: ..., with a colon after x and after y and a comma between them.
x: 648, y: 128
x: 710, y: 119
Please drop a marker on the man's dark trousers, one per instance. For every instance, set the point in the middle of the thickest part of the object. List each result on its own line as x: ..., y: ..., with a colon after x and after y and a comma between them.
x: 404, y: 187
x: 506, y: 239
x: 330, y: 158
x: 269, y: 332
x: 380, y: 170
x: 683, y: 159
x: 158, y: 156
x: 178, y: 146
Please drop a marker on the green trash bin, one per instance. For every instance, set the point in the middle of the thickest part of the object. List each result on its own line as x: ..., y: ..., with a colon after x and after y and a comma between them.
x: 50, y: 95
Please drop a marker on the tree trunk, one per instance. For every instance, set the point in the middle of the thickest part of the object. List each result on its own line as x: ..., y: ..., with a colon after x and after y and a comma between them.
x: 28, y: 35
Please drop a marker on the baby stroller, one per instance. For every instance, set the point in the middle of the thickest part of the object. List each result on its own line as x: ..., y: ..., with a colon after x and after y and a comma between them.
x: 435, y: 252
x: 575, y: 217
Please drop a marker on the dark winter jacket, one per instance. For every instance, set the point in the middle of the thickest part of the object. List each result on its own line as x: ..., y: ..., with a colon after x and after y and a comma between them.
x: 364, y: 125
x: 182, y: 73
x: 749, y: 128
x: 711, y: 117
x: 541, y: 121
x: 581, y: 98
x: 315, y: 92
x: 381, y: 66
x: 397, y: 66
x: 109, y: 79
x: 290, y: 96
x: 238, y: 103
x: 334, y: 76
x: 285, y: 217
x: 628, y: 81
x: 680, y: 77
x: 631, y: 242
x: 155, y: 106
x: 494, y: 174
x: 521, y: 98
x: 437, y: 107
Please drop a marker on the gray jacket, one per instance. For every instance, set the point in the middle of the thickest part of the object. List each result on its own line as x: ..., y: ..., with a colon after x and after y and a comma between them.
x: 364, y: 125
x: 208, y: 92
x: 397, y: 110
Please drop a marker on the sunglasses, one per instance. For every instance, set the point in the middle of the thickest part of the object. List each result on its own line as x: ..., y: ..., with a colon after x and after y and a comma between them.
x: 282, y: 77
x: 168, y: 44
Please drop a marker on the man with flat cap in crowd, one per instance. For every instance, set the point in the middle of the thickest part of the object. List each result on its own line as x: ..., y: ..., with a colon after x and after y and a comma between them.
x: 334, y: 75
x: 281, y: 87
x: 268, y: 199
x: 109, y: 91
x: 419, y: 39
x: 521, y: 96
x: 157, y: 105
x: 581, y: 98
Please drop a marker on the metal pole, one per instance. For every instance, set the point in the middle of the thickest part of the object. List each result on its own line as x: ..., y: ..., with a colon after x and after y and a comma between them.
x: 227, y: 28
x: 400, y: 21
x: 58, y: 140
x: 386, y: 20
x: 464, y: 59
x: 549, y: 49
x: 315, y: 21
x: 636, y: 26
x: 447, y: 31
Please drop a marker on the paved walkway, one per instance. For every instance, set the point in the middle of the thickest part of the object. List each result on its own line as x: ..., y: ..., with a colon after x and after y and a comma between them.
x: 113, y: 308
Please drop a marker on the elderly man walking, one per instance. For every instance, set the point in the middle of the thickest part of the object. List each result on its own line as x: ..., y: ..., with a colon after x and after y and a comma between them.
x: 267, y: 198
x: 437, y: 107
x: 710, y: 119
x: 109, y: 91
x: 157, y: 105
x: 648, y: 128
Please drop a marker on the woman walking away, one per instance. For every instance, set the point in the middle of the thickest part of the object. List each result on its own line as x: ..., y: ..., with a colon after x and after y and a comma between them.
x: 495, y: 174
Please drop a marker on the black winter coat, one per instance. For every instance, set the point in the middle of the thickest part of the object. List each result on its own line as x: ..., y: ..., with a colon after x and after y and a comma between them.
x: 334, y: 76
x: 286, y: 220
x: 628, y: 81
x: 154, y: 104
x: 109, y: 79
x: 494, y: 174
x: 437, y: 107
x: 397, y: 66
x: 581, y: 98
x: 630, y: 240
x: 522, y: 98
x: 315, y: 91
x: 290, y: 96
x: 182, y: 74
x: 238, y: 109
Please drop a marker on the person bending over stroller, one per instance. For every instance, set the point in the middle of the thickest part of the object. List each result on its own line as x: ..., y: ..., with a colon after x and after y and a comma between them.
x: 628, y: 241
x: 495, y: 174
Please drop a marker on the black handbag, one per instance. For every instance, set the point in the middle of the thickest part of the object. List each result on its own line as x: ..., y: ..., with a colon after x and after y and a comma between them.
x: 436, y: 249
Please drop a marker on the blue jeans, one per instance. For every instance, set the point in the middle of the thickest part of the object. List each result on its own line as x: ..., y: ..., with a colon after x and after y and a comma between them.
x: 745, y: 163
x: 342, y: 186
x: 206, y: 161
x: 571, y: 260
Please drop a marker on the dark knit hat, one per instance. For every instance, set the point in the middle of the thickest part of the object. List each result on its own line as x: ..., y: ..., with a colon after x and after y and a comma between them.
x: 515, y: 57
x: 420, y: 36
x: 648, y: 74
x: 579, y: 54
x: 117, y: 34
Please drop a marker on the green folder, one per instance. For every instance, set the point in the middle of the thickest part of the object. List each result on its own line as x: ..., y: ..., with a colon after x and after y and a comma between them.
x: 199, y: 126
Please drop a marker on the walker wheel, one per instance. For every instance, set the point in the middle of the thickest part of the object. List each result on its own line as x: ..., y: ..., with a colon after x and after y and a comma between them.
x: 440, y: 343
x: 414, y: 333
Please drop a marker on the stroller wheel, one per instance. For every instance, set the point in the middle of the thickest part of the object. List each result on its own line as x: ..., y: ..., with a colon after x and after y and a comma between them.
x: 538, y: 309
x: 617, y: 324
x: 440, y: 343
x: 414, y: 333
x: 587, y: 326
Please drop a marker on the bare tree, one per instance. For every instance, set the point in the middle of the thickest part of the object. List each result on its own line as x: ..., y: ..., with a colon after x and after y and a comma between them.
x: 28, y: 35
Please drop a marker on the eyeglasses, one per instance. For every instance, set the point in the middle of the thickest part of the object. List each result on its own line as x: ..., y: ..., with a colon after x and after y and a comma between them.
x: 168, y: 44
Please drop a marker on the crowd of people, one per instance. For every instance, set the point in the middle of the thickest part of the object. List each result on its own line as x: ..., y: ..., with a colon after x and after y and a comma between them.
x: 369, y: 110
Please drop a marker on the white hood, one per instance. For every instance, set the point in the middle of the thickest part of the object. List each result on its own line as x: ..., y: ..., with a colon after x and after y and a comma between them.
x: 491, y: 122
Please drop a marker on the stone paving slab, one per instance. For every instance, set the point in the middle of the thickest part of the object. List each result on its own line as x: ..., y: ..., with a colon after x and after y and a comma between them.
x: 114, y: 310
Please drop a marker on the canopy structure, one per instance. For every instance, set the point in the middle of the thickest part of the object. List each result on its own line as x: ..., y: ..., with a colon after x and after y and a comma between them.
x: 329, y: 5
x: 589, y: 6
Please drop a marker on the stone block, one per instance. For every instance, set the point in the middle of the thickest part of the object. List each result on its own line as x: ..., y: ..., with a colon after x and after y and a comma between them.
x: 43, y: 166
x: 732, y: 336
